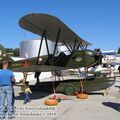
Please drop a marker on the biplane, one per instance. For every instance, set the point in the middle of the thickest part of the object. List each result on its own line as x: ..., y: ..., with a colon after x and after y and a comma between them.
x: 53, y: 29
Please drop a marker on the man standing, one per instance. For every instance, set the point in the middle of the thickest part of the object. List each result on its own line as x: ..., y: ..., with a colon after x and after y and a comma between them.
x: 6, y: 90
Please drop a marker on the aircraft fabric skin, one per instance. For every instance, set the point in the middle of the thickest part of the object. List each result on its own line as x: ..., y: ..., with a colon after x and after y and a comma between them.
x: 53, y: 29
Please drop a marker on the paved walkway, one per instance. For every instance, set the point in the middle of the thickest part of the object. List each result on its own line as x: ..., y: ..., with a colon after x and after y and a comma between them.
x: 96, y: 107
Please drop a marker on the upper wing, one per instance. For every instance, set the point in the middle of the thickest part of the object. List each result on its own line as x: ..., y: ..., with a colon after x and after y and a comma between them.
x: 38, y: 23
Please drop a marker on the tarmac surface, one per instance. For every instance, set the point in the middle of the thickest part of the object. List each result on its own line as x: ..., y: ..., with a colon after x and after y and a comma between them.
x: 96, y: 107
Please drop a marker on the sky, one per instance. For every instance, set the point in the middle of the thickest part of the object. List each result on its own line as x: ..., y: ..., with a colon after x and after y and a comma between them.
x: 95, y: 21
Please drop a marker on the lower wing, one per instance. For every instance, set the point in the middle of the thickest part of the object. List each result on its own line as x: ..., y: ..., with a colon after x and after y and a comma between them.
x: 38, y: 68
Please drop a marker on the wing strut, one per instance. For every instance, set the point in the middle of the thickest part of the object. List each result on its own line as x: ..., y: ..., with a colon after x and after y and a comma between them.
x: 40, y: 46
x: 74, y: 44
x: 81, y: 45
x: 47, y: 45
x: 68, y: 47
x: 58, y: 35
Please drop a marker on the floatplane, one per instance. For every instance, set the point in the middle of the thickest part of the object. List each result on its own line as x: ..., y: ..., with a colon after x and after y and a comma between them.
x: 52, y: 28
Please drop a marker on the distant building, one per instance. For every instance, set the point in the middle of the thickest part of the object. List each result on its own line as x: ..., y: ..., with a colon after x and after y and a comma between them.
x: 30, y: 48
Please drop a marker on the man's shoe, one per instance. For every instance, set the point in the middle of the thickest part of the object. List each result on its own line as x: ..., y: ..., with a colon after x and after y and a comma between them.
x: 25, y: 102
x: 11, y: 117
x: 2, y: 117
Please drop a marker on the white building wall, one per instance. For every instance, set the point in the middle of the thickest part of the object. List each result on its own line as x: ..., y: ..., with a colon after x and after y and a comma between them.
x: 30, y: 48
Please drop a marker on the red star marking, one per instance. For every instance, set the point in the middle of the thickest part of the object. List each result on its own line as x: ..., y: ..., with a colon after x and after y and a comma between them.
x: 26, y: 64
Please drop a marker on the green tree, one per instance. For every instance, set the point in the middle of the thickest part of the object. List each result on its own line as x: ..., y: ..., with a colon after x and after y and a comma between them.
x: 9, y: 50
x: 2, y: 49
x: 118, y: 50
x: 16, y: 52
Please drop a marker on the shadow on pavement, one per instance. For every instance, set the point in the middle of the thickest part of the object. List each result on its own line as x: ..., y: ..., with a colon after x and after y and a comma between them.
x: 117, y: 86
x: 115, y: 106
x: 34, y: 95
x: 95, y: 93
